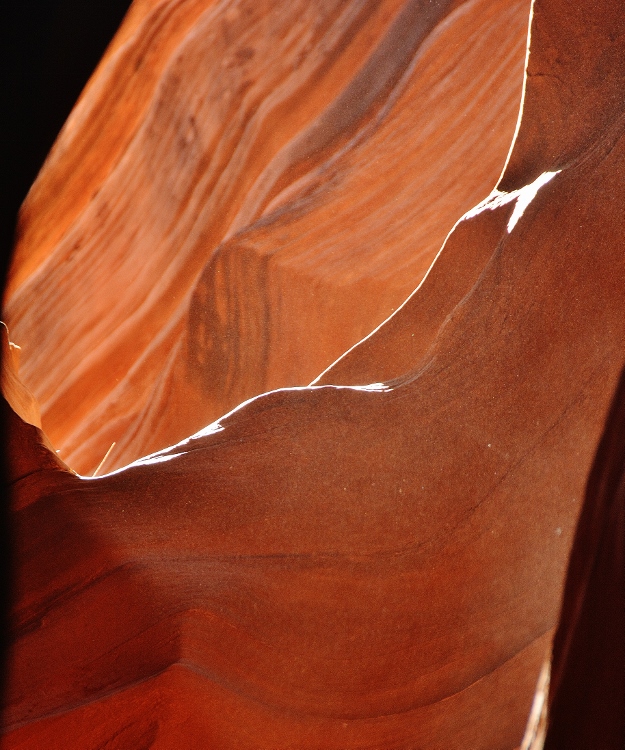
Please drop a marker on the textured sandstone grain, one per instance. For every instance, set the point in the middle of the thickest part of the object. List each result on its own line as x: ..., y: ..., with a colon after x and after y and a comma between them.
x: 242, y: 193
x: 342, y: 567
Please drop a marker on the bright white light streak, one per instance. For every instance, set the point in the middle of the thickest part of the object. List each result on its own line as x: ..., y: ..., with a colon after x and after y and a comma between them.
x: 217, y: 427
x: 523, y: 197
x: 155, y: 459
x: 526, y: 195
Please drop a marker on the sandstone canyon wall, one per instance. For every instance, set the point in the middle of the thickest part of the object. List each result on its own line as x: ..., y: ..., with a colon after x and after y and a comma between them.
x: 242, y: 193
x: 586, y: 705
x: 375, y: 561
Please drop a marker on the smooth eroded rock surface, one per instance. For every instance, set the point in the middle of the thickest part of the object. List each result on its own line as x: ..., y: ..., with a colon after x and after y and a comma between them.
x: 359, y: 567
x: 242, y: 193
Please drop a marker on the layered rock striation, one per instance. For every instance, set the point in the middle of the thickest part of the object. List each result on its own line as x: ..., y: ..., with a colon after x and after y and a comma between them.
x: 241, y: 194
x: 375, y: 561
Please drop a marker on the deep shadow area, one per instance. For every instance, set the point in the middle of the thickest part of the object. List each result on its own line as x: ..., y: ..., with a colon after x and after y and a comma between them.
x: 48, y: 50
x: 587, y: 693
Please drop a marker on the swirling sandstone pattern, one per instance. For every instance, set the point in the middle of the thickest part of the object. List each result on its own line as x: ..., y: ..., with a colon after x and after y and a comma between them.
x: 375, y: 567
x: 243, y: 192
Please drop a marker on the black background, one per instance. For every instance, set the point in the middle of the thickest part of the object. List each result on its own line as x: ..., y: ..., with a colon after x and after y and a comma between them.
x: 48, y: 50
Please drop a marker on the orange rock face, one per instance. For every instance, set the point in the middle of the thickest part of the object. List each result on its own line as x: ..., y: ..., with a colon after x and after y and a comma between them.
x: 346, y: 565
x: 241, y: 194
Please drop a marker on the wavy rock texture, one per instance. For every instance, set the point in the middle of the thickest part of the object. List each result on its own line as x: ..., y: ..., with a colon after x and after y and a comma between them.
x: 243, y: 192
x: 374, y: 567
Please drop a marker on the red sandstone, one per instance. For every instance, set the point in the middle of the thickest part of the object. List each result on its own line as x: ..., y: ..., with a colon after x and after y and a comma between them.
x: 241, y: 194
x: 345, y: 567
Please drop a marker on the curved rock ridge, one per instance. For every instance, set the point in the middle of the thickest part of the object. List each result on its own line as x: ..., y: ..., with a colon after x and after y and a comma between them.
x: 281, y: 596
x: 241, y: 194
x: 357, y: 567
